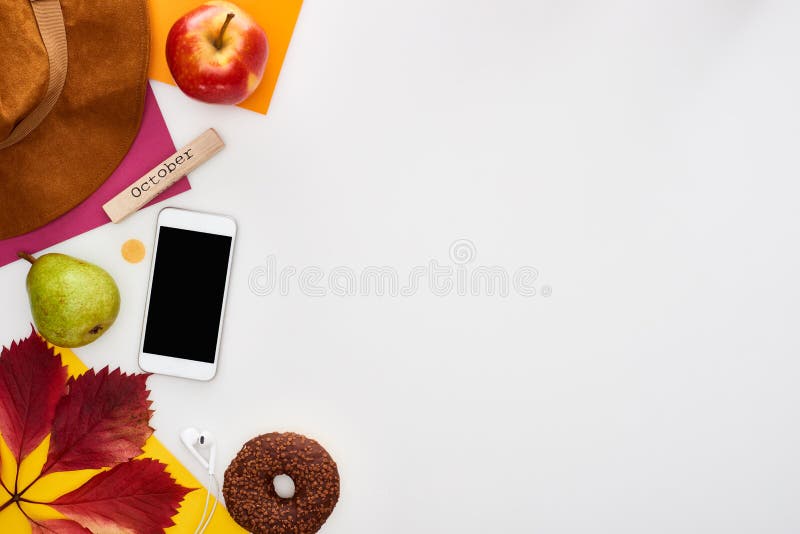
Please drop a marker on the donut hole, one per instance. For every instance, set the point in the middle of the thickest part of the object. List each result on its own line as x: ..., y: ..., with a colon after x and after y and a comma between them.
x: 284, y: 486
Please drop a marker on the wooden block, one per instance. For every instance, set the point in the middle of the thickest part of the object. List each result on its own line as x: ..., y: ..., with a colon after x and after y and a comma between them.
x: 163, y: 175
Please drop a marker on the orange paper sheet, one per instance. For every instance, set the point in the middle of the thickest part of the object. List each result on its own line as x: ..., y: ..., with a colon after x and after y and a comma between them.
x: 53, y: 485
x: 277, y: 17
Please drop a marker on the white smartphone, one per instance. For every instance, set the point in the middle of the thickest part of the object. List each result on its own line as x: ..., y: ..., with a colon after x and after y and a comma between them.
x: 186, y: 294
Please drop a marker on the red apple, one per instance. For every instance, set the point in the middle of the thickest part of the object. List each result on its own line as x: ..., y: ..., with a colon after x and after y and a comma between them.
x: 217, y: 53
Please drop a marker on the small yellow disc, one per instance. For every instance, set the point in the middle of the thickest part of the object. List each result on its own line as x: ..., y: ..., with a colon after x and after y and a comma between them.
x: 133, y: 250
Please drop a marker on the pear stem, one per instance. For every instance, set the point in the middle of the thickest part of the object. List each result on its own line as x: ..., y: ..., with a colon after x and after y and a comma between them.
x: 26, y: 256
x: 218, y: 40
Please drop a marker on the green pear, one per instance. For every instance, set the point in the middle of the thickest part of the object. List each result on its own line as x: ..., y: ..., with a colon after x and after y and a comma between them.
x: 73, y: 302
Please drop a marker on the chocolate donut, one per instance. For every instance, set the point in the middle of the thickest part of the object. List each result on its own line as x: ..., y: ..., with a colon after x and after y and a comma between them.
x: 250, y: 495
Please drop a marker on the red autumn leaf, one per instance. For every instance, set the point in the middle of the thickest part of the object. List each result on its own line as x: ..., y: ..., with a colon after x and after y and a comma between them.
x: 31, y: 383
x: 138, y: 495
x: 57, y: 526
x: 102, y: 421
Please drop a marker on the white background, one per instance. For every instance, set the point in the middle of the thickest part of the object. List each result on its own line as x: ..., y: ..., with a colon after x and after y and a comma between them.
x: 641, y: 154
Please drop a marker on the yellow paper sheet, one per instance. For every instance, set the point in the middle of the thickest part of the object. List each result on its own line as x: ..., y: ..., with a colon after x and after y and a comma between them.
x: 277, y: 17
x: 56, y: 484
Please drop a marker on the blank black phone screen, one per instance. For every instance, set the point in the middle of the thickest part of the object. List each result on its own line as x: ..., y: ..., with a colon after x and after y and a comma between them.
x: 187, y: 293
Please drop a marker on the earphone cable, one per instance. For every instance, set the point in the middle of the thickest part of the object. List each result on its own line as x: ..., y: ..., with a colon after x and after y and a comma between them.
x: 213, y: 507
x: 200, y: 527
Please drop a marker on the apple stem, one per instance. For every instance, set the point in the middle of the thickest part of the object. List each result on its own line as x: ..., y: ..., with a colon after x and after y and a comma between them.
x: 26, y: 256
x: 218, y: 40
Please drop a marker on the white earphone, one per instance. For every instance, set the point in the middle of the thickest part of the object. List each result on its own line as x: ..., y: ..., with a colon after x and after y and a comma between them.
x: 193, y: 440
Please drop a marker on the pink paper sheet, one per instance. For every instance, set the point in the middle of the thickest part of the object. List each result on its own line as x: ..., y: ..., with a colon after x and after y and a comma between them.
x: 152, y: 145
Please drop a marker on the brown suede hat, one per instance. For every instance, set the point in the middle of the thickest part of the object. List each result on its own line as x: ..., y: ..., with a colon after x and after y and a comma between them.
x: 73, y: 76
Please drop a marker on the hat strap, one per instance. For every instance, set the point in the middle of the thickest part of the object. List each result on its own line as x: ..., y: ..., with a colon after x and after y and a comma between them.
x: 50, y: 20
